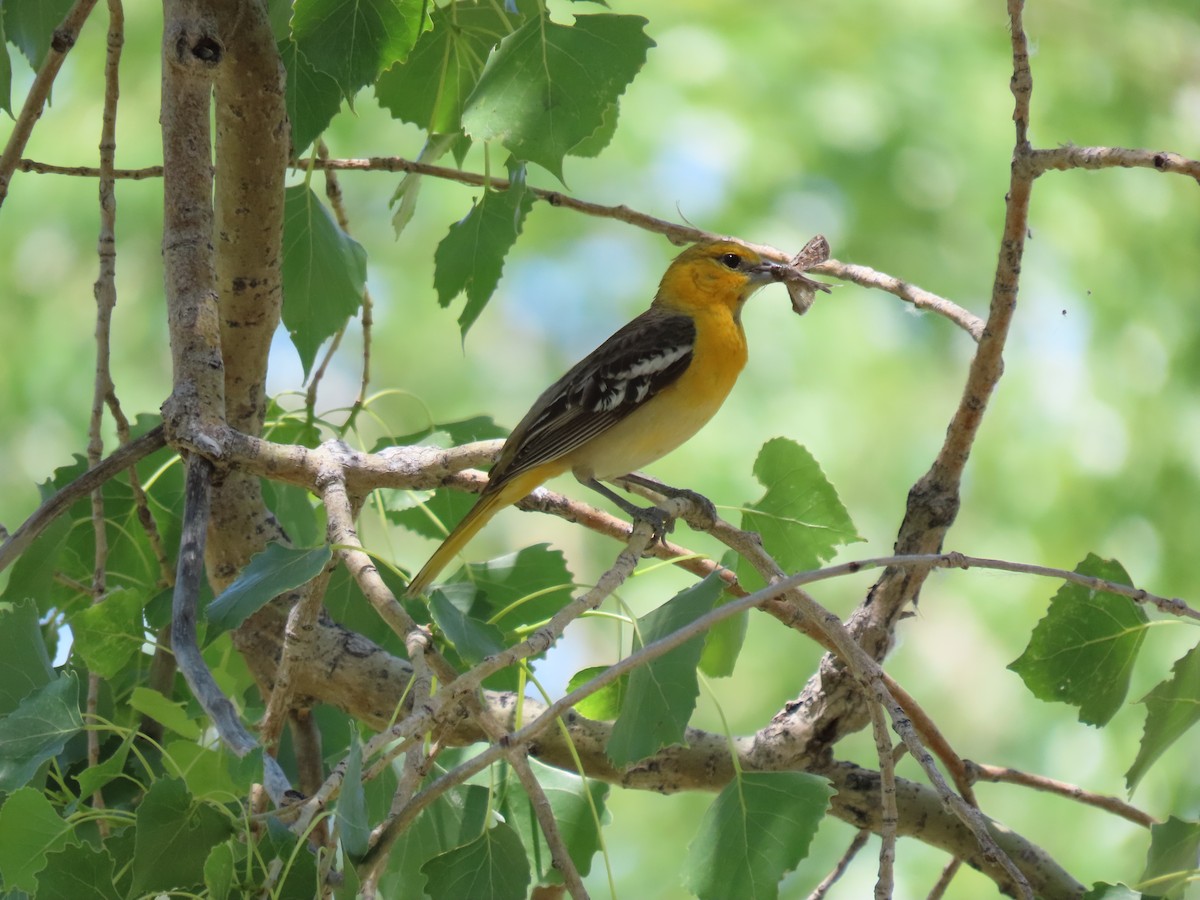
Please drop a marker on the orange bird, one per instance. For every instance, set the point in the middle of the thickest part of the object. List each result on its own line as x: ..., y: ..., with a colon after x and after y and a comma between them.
x: 637, y: 396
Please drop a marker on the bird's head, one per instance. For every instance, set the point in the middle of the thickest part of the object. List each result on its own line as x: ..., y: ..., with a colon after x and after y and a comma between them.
x: 724, y: 272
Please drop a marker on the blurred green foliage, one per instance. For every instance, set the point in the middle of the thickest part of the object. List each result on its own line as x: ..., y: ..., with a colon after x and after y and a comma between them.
x: 884, y: 125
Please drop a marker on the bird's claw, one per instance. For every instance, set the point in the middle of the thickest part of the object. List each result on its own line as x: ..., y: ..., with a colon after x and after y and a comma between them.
x: 660, y: 521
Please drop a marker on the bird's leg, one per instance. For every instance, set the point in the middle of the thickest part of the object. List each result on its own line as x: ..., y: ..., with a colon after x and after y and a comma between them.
x: 705, y: 509
x: 659, y: 520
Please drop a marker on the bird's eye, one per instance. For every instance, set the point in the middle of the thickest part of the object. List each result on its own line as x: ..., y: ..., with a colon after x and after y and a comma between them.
x: 731, y: 260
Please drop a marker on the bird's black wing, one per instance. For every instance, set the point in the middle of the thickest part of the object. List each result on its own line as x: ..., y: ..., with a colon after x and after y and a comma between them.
x: 614, y: 380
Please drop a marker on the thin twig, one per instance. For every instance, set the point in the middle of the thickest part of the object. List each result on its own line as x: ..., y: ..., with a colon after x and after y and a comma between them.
x: 120, y: 459
x: 1005, y: 775
x: 61, y: 43
x: 943, y: 883
x: 865, y: 276
x: 889, y: 817
x: 105, y: 291
x: 822, y: 890
x: 36, y: 167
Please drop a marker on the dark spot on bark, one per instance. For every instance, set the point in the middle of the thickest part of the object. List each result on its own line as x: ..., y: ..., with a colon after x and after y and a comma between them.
x: 207, y: 50
x: 62, y: 41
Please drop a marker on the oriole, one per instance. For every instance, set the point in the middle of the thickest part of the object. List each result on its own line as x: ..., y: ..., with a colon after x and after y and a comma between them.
x: 637, y: 396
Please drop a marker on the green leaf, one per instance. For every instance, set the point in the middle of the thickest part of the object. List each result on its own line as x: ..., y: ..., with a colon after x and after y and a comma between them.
x: 324, y: 273
x: 30, y: 25
x: 447, y: 434
x: 604, y: 705
x: 95, y: 777
x: 1173, y: 706
x: 758, y: 829
x: 29, y: 829
x: 174, y: 836
x: 170, y: 715
x: 210, y: 774
x: 313, y: 98
x: 434, y: 517
x: 723, y: 643
x: 5, y: 73
x: 1102, y: 891
x: 272, y: 572
x: 1082, y: 651
x: 577, y: 824
x: 662, y: 694
x: 431, y: 86
x: 293, y: 507
x: 24, y: 663
x: 353, y: 824
x: 1173, y: 859
x: 219, y: 870
x: 594, y: 143
x: 109, y: 634
x: 800, y: 518
x: 470, y: 257
x: 79, y: 871
x: 354, y: 40
x: 474, y: 640
x: 32, y: 575
x: 491, y: 867
x: 37, y: 730
x: 519, y: 589
x: 548, y: 87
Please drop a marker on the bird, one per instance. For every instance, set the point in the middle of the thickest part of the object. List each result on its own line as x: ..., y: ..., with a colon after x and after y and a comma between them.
x: 644, y: 391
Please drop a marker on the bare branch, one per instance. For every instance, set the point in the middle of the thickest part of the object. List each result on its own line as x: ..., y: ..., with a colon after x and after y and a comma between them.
x: 1070, y: 157
x: 183, y: 611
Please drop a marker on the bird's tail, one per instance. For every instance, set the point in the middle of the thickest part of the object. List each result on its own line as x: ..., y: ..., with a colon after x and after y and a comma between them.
x: 479, y: 515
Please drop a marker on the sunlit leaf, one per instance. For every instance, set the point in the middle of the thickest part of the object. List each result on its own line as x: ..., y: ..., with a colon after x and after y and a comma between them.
x: 1172, y: 707
x: 1173, y: 859
x: 430, y: 87
x: 549, y: 87
x: 758, y: 829
x: 1082, y: 651
x: 605, y: 704
x: 800, y: 517
x: 470, y: 257
x: 324, y: 273
x: 352, y: 41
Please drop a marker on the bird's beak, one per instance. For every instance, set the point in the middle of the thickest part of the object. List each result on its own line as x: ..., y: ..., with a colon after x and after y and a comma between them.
x: 766, y: 272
